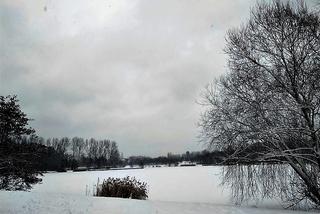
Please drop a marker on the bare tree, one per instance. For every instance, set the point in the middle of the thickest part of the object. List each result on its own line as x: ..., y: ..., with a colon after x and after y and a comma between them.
x: 77, y: 145
x: 114, y: 154
x: 266, y: 108
x: 93, y: 149
x: 106, y: 149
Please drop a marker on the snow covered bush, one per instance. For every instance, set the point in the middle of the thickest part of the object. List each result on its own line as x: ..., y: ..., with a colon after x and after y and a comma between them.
x: 122, y: 188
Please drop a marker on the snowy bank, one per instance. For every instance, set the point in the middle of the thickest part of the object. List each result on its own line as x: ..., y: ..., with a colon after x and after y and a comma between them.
x: 53, y: 203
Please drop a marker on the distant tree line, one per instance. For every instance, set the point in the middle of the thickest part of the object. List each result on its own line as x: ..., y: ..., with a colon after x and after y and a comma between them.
x: 204, y: 157
x: 70, y: 153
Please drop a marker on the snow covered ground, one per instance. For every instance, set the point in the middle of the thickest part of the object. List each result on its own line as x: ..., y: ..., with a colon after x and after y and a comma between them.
x: 58, y: 203
x: 171, y: 190
x: 184, y: 184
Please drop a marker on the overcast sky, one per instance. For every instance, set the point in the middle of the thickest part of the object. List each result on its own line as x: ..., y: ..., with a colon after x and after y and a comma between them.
x: 130, y: 71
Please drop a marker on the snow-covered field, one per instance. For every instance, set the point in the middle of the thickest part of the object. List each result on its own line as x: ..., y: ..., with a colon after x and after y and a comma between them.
x: 171, y: 190
x: 184, y: 184
x: 53, y: 203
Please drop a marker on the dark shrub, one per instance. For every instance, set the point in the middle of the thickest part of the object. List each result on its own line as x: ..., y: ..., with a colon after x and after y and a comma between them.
x: 122, y: 188
x: 19, y: 165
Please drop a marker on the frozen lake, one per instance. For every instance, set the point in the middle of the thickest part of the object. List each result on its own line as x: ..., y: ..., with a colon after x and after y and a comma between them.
x: 199, y: 184
x: 180, y: 184
x: 171, y: 190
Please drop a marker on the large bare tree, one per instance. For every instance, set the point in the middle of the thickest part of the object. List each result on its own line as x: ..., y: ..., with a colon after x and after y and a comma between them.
x: 266, y: 108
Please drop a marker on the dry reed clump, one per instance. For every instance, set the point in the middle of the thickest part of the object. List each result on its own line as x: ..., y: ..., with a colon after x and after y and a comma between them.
x: 122, y: 188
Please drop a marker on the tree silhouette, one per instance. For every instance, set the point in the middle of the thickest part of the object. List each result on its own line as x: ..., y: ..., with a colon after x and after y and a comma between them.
x: 267, y: 107
x: 18, y: 161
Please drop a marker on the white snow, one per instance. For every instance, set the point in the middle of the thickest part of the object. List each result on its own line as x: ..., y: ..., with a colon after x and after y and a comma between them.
x: 171, y: 190
x: 57, y: 203
x: 184, y: 184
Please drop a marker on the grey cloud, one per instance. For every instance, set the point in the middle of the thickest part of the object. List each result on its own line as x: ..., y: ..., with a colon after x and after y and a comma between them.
x: 130, y: 70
